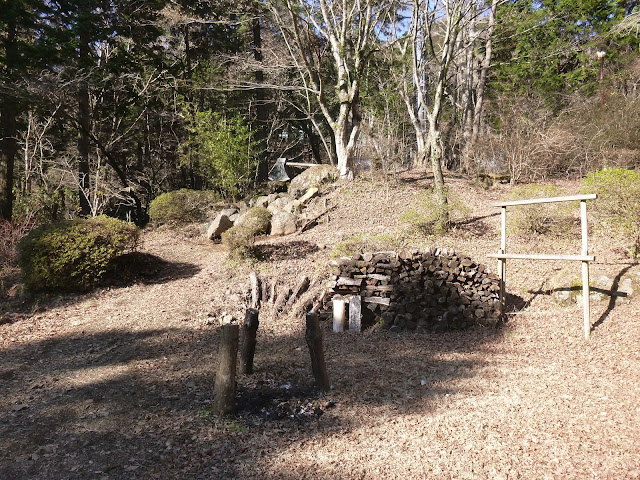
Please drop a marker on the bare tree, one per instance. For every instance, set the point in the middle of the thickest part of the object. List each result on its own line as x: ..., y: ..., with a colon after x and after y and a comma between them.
x: 343, y: 35
x: 439, y: 39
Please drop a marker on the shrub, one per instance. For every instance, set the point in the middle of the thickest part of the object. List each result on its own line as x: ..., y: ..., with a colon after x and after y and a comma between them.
x: 182, y: 206
x: 73, y: 255
x: 429, y: 218
x: 10, y: 234
x: 539, y: 218
x: 618, y: 202
x: 222, y: 150
x: 239, y: 239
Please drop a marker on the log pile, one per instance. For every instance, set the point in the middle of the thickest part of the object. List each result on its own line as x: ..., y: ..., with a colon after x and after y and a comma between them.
x: 432, y: 291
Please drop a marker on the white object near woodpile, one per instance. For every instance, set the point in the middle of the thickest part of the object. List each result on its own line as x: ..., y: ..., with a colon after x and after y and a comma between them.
x: 338, y: 314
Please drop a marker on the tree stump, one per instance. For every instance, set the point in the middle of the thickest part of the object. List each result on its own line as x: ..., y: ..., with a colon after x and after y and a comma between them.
x: 313, y: 336
x: 248, y: 347
x: 224, y: 392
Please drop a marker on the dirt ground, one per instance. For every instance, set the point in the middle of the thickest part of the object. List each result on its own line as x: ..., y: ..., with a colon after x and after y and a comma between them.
x: 118, y: 383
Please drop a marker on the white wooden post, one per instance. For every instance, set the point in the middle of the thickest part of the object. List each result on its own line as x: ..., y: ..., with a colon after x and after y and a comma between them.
x: 502, y: 262
x: 338, y: 314
x: 585, y: 270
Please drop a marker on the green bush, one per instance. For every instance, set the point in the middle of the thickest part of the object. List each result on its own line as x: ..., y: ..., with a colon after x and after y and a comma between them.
x: 429, y: 218
x: 618, y: 202
x: 539, y: 218
x: 239, y: 239
x: 182, y: 206
x: 73, y: 255
x: 222, y: 150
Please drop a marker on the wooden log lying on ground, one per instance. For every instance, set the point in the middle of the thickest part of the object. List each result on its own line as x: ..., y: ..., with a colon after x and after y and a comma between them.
x: 313, y: 336
x: 248, y: 347
x: 283, y: 296
x: 297, y: 292
x: 224, y: 392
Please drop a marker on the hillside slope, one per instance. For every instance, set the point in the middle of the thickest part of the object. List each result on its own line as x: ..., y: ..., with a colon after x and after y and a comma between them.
x: 118, y: 383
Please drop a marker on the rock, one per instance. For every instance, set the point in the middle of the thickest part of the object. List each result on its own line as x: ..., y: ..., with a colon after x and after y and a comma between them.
x: 229, y: 211
x: 220, y: 224
x: 279, y: 203
x: 282, y: 223
x: 264, y: 200
x: 312, y: 177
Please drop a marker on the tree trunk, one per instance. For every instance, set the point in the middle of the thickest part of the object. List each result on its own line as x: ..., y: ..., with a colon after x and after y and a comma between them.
x: 482, y: 81
x: 438, y: 178
x: 8, y: 141
x: 261, y: 107
x: 84, y: 117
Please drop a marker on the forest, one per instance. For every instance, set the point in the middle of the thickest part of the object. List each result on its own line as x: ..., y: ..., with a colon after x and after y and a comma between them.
x: 138, y: 224
x: 104, y: 106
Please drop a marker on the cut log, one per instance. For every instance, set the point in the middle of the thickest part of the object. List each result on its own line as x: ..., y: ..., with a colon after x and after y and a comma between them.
x: 283, y: 296
x: 255, y: 290
x: 224, y: 392
x: 248, y: 348
x: 313, y: 336
x: 302, y: 287
x: 355, y: 313
x: 377, y: 300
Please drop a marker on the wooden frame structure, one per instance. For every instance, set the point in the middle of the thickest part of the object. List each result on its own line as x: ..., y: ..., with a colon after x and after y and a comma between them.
x: 585, y: 258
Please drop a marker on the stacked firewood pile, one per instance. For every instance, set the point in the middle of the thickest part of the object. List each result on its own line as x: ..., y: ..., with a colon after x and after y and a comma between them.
x: 432, y: 291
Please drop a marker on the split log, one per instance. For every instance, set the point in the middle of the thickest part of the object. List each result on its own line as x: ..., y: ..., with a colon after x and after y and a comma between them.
x: 283, y: 296
x: 313, y: 336
x: 248, y: 348
x: 302, y: 287
x: 224, y: 392
x: 255, y: 290
x: 355, y: 313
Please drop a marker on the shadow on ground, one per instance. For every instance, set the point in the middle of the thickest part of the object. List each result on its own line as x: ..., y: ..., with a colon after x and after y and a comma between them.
x: 126, y: 270
x: 137, y: 404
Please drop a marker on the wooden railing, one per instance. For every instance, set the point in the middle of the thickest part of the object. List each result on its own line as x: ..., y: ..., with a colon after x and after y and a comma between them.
x: 585, y: 258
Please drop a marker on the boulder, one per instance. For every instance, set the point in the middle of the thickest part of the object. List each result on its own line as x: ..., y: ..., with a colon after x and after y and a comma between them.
x: 282, y: 223
x: 312, y: 177
x: 264, y: 200
x: 220, y: 224
x: 279, y: 203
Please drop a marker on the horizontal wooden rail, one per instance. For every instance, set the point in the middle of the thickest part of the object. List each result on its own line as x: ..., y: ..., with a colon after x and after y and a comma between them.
x: 301, y: 165
x: 531, y: 201
x: 536, y: 256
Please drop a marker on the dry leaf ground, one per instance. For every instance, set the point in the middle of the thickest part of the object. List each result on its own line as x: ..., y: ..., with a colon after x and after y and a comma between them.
x: 117, y: 383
